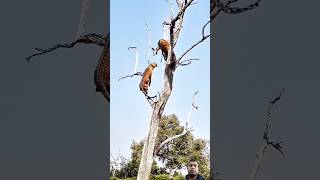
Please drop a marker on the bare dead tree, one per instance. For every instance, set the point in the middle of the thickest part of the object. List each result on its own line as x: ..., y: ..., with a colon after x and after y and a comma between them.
x: 148, y: 152
x: 116, y: 162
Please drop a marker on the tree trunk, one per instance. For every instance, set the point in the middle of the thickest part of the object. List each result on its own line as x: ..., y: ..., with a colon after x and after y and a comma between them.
x: 148, y: 148
x: 150, y: 141
x: 158, y: 108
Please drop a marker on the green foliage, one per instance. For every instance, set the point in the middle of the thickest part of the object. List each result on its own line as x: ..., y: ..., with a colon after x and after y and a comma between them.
x: 174, y: 155
x: 130, y: 168
x: 132, y: 178
x: 114, y: 178
x: 155, y: 177
x: 136, y: 148
x: 197, y: 153
x: 178, y: 152
x: 160, y: 177
x: 167, y: 177
x: 180, y: 177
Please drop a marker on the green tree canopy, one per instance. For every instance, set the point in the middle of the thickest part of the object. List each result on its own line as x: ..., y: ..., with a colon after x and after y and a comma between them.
x: 174, y: 154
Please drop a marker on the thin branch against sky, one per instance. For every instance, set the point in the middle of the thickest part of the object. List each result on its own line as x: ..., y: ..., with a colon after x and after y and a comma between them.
x: 130, y: 114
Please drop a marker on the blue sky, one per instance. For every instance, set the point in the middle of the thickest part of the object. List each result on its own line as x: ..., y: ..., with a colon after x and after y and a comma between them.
x: 130, y: 112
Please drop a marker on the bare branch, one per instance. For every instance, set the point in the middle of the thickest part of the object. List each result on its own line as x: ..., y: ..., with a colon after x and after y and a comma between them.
x: 267, y: 142
x: 176, y: 24
x: 132, y: 47
x: 149, y: 98
x: 118, y: 159
x: 204, y: 37
x: 136, y: 54
x: 203, y: 28
x: 181, y: 12
x: 200, y: 41
x: 213, y: 15
x: 235, y: 10
x: 172, y: 138
x: 149, y: 44
x: 276, y: 99
x: 180, y: 3
x: 193, y: 107
x: 187, y: 62
x: 194, y: 101
x: 151, y: 101
x: 171, y: 7
x: 186, y: 129
x: 87, y: 39
x: 277, y: 146
x: 220, y: 6
x: 268, y: 115
x: 135, y: 74
x: 207, y: 149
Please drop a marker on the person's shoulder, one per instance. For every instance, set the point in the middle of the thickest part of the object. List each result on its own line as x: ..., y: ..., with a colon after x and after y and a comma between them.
x: 199, y: 177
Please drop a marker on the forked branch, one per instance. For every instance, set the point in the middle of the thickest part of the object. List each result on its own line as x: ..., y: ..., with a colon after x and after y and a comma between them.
x: 186, y: 129
x: 188, y: 50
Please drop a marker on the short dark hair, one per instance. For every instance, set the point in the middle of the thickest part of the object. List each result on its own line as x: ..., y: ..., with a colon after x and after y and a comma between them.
x: 192, y: 160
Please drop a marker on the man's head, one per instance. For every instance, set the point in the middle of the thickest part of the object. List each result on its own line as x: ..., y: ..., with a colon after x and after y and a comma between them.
x: 193, y: 168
